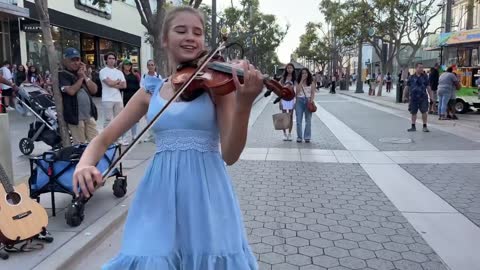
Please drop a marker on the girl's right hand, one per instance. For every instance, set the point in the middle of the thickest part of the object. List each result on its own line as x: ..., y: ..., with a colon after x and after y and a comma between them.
x: 85, y: 177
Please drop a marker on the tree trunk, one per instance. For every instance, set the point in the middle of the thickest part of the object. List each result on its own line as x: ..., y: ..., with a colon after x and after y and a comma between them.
x: 470, y: 7
x: 42, y: 10
x: 359, y: 88
x: 160, y: 57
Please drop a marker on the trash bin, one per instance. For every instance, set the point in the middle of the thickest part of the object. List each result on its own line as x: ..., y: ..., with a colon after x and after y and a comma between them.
x: 343, y: 85
x: 400, y: 92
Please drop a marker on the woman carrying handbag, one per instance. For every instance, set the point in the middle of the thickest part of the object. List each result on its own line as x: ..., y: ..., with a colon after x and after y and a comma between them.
x: 286, y: 106
x: 305, y: 95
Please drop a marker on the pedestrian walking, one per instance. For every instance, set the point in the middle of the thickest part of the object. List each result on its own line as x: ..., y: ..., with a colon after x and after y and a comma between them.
x: 185, y: 214
x: 388, y: 81
x: 287, y: 106
x: 433, y: 78
x: 333, y: 83
x: 305, y: 93
x: 447, y: 83
x: 417, y: 87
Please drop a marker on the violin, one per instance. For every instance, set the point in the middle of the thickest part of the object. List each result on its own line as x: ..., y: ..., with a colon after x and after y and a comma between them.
x: 207, y: 72
x: 217, y: 76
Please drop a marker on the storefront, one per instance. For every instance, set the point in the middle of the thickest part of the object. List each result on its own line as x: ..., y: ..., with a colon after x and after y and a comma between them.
x: 9, y: 32
x: 91, y: 39
x: 461, y: 50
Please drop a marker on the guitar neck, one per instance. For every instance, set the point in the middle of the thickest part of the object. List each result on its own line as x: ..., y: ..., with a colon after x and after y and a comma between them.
x: 7, y: 186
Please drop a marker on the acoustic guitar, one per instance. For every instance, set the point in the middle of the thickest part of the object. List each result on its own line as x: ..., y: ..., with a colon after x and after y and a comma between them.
x: 21, y: 217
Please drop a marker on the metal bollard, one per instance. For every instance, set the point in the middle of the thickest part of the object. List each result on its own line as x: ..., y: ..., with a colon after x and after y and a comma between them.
x: 5, y: 147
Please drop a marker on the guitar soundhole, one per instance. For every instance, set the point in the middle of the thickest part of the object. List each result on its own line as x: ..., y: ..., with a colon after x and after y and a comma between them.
x: 13, y: 198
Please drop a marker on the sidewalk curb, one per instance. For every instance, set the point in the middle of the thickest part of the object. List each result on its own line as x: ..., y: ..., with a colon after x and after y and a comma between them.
x: 76, y: 247
x: 392, y: 106
x: 371, y: 101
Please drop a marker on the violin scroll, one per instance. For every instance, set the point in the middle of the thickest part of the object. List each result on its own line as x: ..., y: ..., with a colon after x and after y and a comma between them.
x: 283, y: 92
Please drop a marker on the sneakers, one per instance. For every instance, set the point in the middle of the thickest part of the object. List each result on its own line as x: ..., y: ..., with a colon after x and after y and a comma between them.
x: 9, y: 108
x: 425, y: 129
x: 285, y: 137
x: 289, y: 137
x: 412, y: 129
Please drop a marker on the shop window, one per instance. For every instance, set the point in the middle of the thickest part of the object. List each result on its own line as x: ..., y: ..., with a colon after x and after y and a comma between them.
x: 37, y: 50
x: 464, y: 57
x: 475, y: 57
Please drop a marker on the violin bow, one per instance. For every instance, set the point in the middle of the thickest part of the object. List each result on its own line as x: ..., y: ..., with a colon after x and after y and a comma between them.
x: 177, y: 94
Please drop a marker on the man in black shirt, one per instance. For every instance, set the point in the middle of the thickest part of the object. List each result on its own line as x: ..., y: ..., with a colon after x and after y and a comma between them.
x: 79, y: 111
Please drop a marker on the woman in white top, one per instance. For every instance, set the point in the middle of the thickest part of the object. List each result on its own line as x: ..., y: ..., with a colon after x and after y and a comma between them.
x: 305, y: 92
x: 288, y: 79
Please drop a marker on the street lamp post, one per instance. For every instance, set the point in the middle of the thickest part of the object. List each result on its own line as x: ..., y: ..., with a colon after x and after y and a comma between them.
x: 214, y: 24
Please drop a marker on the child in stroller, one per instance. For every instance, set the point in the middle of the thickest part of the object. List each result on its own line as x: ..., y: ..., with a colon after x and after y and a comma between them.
x: 44, y: 128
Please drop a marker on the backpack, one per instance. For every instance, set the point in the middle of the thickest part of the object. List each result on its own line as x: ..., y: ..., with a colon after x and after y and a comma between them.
x: 146, y: 74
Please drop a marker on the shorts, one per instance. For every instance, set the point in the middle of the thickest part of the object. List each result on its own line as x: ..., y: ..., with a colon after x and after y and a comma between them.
x: 7, y: 92
x: 418, y: 104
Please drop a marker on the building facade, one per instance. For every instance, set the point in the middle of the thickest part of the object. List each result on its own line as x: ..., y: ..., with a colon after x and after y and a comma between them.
x: 91, y: 29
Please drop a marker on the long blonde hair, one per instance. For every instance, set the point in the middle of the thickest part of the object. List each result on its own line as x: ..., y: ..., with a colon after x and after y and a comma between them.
x: 176, y: 10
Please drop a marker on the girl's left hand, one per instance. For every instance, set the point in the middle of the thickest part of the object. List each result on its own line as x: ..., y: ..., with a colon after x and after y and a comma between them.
x: 251, y: 87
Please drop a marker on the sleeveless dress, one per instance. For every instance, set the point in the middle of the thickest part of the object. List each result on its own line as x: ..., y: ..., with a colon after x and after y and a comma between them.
x: 185, y: 214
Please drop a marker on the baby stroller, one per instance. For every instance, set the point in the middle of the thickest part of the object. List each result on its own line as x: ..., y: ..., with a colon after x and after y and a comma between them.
x: 45, y: 127
x: 53, y: 172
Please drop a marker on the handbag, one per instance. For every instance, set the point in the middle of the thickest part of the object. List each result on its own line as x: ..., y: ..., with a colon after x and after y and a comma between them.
x: 281, y: 121
x: 310, y: 104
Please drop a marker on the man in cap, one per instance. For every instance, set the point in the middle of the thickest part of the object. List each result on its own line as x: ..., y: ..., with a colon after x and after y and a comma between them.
x: 79, y: 111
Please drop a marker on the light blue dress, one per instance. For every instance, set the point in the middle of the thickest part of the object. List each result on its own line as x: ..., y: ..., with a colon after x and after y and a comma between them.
x: 185, y: 214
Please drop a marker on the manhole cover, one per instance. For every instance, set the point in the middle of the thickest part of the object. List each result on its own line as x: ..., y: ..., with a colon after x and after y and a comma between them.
x: 396, y: 140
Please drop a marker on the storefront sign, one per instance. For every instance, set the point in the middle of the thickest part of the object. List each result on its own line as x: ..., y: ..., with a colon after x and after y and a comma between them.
x: 32, y: 28
x: 453, y: 38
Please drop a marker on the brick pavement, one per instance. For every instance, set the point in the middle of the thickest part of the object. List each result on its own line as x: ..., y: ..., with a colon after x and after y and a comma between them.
x: 374, y: 125
x: 262, y: 134
x: 458, y: 184
x: 324, y: 216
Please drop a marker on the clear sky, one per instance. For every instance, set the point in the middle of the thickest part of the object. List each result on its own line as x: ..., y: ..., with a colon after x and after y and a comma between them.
x: 297, y: 12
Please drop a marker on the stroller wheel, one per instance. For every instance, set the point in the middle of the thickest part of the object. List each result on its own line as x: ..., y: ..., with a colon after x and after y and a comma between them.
x: 26, y: 146
x: 74, y: 214
x: 4, y: 256
x: 120, y: 186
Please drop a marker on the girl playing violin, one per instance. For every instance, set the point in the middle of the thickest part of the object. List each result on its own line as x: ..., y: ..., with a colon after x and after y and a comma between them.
x: 185, y: 214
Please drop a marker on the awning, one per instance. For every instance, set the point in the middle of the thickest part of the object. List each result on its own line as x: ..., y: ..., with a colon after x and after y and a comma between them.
x: 437, y: 41
x: 14, y: 10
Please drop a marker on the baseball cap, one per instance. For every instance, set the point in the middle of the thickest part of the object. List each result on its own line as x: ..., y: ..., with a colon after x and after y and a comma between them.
x: 127, y: 62
x: 71, y: 53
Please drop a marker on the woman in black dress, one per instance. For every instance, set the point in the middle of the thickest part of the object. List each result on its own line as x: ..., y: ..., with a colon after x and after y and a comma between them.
x: 133, y: 84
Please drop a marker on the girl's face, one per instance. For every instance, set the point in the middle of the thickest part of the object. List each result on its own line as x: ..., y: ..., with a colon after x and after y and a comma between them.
x: 20, y: 68
x: 185, y: 39
x: 304, y: 74
x: 289, y: 69
x: 33, y: 69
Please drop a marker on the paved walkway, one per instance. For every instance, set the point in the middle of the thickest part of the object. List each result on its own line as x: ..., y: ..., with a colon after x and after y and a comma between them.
x: 351, y: 208
x: 345, y: 201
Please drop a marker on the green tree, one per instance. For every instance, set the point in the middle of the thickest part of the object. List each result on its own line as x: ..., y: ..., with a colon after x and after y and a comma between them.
x: 259, y: 34
x: 314, y: 47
